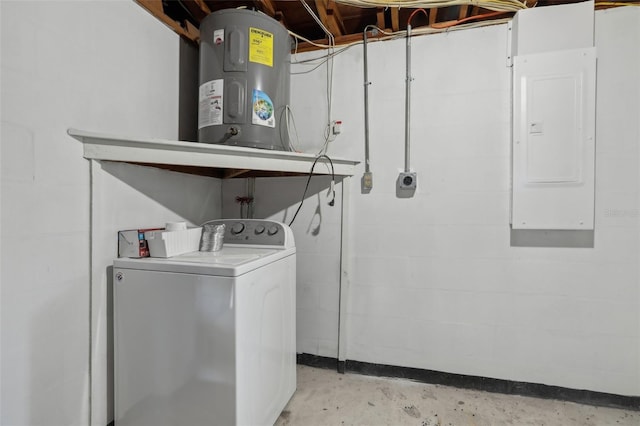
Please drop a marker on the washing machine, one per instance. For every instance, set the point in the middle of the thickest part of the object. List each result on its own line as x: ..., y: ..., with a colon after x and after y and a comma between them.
x: 207, y: 338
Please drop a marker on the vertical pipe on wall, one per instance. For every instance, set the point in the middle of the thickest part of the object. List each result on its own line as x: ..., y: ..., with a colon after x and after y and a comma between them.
x: 251, y: 189
x: 366, y: 98
x: 92, y: 171
x: 344, y: 275
x: 367, y: 177
x: 407, y: 107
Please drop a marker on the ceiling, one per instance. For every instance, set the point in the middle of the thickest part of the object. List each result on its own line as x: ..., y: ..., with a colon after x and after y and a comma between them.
x: 346, y: 19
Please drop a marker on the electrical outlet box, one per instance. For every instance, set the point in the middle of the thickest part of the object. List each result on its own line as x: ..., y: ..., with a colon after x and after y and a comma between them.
x: 367, y: 180
x: 408, y: 181
x: 337, y: 127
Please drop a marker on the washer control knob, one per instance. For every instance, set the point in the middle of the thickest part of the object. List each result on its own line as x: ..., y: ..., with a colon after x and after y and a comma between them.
x: 272, y: 230
x: 259, y: 229
x: 237, y: 228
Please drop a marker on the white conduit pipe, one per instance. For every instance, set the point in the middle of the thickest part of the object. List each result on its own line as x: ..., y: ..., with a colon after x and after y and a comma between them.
x: 407, y: 107
x: 367, y: 178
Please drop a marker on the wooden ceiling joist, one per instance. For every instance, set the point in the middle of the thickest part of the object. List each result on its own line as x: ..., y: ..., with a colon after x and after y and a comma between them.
x: 279, y: 16
x: 329, y: 14
x: 197, y: 8
x: 433, y: 16
x: 184, y: 29
x: 267, y: 7
x: 380, y: 21
x: 270, y: 8
x: 395, y: 19
x: 464, y: 11
x: 345, y: 22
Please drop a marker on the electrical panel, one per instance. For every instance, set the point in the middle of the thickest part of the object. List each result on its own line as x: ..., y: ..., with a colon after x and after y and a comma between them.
x: 553, y: 155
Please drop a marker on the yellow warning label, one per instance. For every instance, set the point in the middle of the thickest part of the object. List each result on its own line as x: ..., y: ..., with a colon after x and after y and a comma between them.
x: 260, y: 46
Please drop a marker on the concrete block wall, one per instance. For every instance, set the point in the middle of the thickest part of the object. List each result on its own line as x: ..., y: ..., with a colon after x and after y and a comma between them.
x: 434, y: 282
x: 316, y: 230
x: 100, y: 66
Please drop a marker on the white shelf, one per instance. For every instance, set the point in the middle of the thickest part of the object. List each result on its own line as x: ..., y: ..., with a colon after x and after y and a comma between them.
x: 207, y: 159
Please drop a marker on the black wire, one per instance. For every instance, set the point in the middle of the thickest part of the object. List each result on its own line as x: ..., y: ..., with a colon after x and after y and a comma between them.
x: 306, y: 187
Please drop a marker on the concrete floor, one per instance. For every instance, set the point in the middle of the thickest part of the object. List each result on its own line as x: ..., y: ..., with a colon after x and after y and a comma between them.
x: 325, y: 397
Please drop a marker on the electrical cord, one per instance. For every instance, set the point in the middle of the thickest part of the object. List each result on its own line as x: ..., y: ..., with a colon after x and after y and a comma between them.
x: 444, y: 25
x: 388, y: 36
x: 329, y: 62
x: 332, y: 52
x: 306, y: 187
x: 319, y: 61
x: 424, y: 12
x: 497, y: 5
x: 617, y: 3
x: 288, y: 112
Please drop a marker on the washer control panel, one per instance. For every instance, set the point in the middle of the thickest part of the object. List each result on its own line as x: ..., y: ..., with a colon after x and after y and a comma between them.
x: 255, y: 232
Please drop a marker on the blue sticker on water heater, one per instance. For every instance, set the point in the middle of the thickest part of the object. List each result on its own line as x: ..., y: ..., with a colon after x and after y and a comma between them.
x: 262, y: 109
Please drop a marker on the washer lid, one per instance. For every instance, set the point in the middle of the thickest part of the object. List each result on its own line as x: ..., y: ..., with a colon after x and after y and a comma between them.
x: 228, y: 262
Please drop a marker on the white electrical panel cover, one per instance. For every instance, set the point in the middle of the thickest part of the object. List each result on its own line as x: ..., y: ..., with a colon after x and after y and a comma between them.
x: 554, y: 140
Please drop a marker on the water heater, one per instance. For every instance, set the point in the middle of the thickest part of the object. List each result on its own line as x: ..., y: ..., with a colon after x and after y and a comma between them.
x: 244, y: 80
